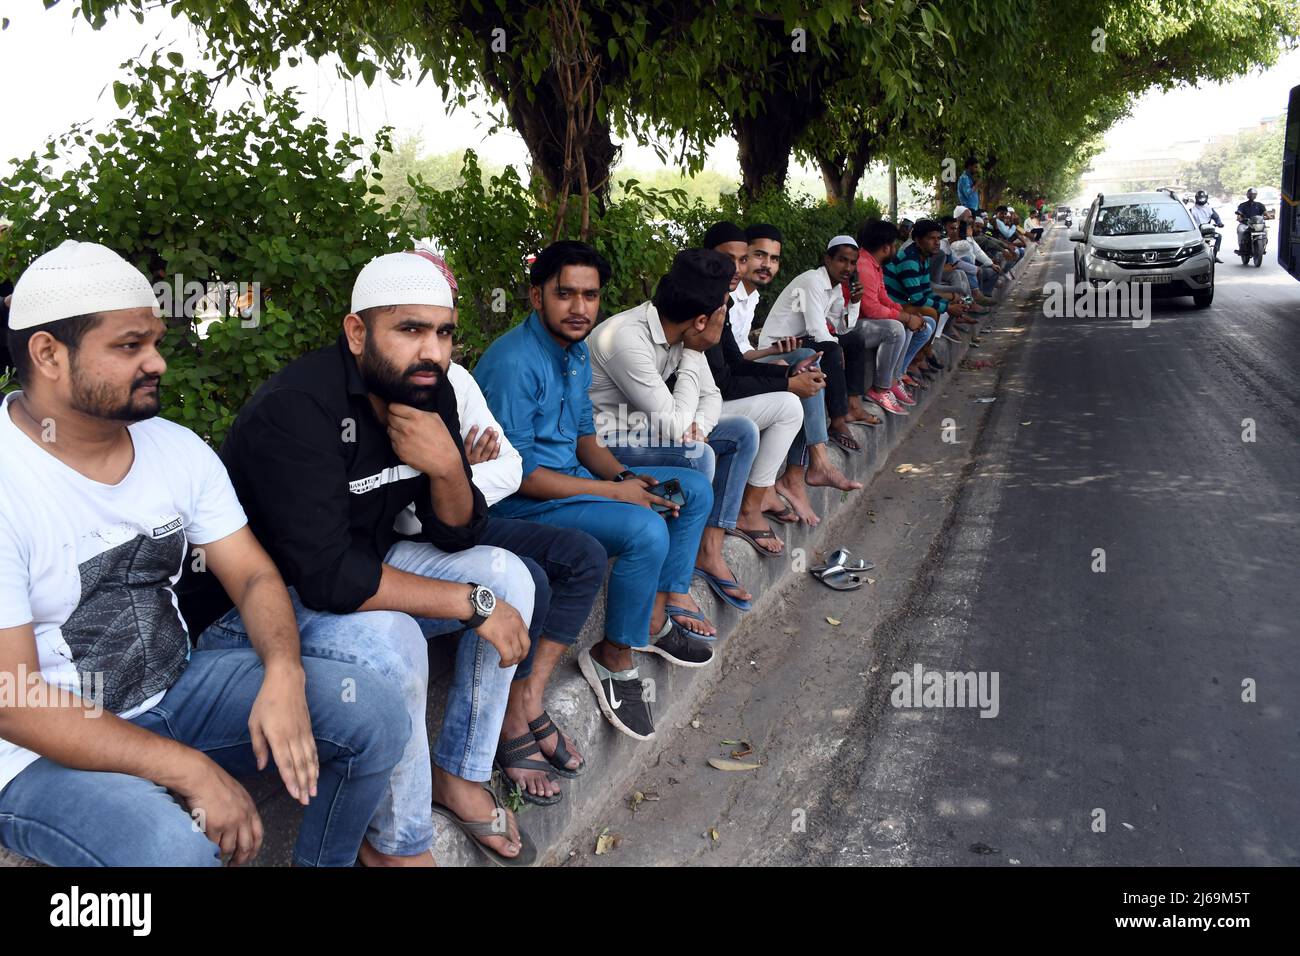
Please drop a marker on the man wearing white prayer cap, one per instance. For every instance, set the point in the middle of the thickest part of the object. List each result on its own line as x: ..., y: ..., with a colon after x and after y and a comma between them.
x: 326, y: 458
x: 100, y: 503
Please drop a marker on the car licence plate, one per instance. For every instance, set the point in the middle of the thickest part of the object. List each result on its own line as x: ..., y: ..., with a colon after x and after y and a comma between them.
x: 1149, y: 278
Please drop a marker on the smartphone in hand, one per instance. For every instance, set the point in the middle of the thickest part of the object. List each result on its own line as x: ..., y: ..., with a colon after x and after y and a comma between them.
x: 670, y: 490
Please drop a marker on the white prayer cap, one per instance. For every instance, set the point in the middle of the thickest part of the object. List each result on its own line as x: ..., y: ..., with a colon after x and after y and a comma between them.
x: 841, y: 241
x: 960, y: 211
x: 77, y: 278
x: 400, y: 278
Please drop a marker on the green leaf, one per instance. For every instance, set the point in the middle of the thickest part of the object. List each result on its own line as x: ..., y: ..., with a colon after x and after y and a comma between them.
x: 176, y: 59
x: 121, y: 93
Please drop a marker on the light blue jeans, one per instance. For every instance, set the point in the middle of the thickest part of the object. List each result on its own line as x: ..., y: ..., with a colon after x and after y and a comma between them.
x: 65, y: 817
x: 395, y: 645
x: 814, y: 413
x: 725, y: 460
x: 915, y: 342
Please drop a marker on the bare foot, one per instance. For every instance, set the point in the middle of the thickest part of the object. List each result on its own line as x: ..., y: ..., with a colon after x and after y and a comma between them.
x: 473, y: 804
x: 798, y: 499
x: 369, y: 856
x: 538, y: 782
x: 704, y: 628
x: 830, y: 477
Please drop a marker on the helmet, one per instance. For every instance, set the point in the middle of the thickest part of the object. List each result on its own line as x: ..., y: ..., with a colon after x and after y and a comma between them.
x: 1202, y: 197
x: 1251, y: 194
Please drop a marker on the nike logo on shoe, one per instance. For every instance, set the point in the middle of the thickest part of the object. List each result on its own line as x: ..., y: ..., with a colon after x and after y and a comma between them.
x: 614, y: 702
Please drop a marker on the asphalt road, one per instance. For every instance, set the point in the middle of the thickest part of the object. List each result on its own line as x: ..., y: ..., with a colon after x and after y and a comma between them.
x: 1121, y: 735
x: 1119, y: 691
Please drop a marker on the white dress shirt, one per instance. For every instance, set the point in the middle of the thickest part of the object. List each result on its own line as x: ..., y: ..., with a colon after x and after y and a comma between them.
x: 631, y: 361
x: 805, y: 306
x: 740, y: 319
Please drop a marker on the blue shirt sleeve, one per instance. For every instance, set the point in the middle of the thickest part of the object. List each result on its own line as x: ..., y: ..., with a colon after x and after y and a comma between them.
x: 586, y: 423
x: 513, y: 393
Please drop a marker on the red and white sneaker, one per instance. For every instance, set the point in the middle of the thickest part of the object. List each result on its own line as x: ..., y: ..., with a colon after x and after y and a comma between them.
x: 886, y: 400
x: 900, y: 393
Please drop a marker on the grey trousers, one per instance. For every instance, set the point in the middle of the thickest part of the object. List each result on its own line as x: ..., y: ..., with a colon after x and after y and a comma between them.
x: 888, y: 339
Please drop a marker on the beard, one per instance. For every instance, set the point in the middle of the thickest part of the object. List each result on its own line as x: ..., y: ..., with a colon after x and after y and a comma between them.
x: 102, y: 400
x: 385, y: 380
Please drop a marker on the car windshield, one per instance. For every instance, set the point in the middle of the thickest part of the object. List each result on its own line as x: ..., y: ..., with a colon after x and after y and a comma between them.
x: 1140, y: 219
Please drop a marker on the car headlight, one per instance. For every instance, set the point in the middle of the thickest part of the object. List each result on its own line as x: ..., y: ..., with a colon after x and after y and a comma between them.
x: 1105, y: 254
x: 1191, y: 249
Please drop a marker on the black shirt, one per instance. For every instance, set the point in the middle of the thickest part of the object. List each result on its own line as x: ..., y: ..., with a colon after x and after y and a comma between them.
x: 1250, y: 208
x: 321, y: 484
x: 738, y: 377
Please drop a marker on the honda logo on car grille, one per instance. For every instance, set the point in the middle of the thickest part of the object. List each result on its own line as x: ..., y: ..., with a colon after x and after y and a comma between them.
x: 1148, y: 257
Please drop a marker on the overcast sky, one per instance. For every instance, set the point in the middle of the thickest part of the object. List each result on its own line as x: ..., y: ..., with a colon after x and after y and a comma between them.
x: 66, y: 70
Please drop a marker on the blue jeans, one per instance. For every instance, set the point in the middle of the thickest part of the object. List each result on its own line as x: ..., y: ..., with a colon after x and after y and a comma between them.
x: 66, y: 817
x: 725, y: 460
x: 814, y: 413
x: 394, y: 644
x: 916, y: 342
x: 568, y: 568
x: 651, y: 553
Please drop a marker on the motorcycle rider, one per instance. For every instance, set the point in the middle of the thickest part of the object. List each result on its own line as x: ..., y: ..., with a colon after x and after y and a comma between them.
x: 1202, y: 212
x: 1244, y: 211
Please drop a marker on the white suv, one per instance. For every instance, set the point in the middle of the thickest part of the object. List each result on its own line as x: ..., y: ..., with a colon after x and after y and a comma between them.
x: 1145, y: 237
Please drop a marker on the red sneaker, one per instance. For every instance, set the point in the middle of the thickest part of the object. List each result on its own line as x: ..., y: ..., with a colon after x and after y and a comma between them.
x: 900, y: 392
x: 886, y: 401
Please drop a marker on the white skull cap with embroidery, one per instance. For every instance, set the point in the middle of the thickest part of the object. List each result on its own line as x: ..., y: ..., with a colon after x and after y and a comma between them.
x: 400, y: 278
x: 77, y: 278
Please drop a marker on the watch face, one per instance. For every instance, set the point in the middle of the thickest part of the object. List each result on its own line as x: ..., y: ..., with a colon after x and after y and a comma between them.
x: 484, y: 600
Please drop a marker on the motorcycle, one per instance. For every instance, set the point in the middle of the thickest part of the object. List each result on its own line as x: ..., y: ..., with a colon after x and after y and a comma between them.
x: 1252, y: 241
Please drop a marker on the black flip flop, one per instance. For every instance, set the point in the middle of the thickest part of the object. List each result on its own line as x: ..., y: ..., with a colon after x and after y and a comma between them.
x: 844, y: 441
x: 513, y: 755
x: 786, y: 515
x: 753, y: 537
x: 542, y: 728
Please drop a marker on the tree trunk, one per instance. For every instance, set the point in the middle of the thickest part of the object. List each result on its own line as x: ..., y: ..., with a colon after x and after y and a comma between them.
x: 841, y: 173
x: 766, y: 142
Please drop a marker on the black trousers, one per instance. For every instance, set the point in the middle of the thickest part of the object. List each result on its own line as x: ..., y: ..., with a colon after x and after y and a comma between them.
x: 844, y: 362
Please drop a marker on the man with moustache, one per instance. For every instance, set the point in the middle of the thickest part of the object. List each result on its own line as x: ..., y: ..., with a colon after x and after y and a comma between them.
x: 536, y: 378
x: 568, y: 567
x: 759, y: 390
x: 326, y: 456
x: 100, y: 501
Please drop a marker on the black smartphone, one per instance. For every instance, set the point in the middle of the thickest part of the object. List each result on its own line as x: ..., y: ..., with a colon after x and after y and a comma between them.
x: 670, y: 490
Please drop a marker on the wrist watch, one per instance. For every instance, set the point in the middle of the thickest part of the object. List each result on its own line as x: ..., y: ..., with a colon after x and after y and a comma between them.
x: 483, y: 601
x: 624, y: 475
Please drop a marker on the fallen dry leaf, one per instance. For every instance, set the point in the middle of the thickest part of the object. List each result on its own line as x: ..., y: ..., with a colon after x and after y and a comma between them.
x: 744, y: 751
x: 722, y: 763
x: 833, y: 622
x: 607, y: 842
x: 637, y: 799
x: 713, y: 834
x: 871, y: 580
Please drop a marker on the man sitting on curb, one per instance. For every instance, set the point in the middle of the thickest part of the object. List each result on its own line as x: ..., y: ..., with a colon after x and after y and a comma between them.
x: 536, y: 379
x: 99, y: 504
x: 809, y: 461
x: 907, y: 280
x: 812, y: 309
x: 325, y: 457
x: 656, y: 405
x: 568, y: 568
x: 769, y: 395
x: 876, y: 240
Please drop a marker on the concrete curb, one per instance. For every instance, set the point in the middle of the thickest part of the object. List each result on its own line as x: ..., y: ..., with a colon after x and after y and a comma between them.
x: 613, y: 760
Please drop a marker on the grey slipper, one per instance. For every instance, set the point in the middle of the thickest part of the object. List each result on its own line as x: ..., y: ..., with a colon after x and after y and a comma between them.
x: 527, y: 851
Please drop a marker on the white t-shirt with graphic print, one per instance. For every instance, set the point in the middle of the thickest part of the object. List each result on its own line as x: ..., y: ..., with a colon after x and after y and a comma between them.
x: 92, y: 566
